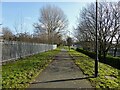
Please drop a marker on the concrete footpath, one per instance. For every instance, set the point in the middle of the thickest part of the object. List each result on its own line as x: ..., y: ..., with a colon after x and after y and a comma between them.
x: 61, y: 73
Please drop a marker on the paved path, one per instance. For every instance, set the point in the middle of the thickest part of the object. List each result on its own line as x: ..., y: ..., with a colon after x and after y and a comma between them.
x: 61, y: 73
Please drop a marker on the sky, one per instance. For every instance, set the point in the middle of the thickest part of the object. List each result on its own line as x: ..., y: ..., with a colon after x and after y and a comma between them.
x: 0, y: 17
x: 57, y: 0
x: 13, y: 13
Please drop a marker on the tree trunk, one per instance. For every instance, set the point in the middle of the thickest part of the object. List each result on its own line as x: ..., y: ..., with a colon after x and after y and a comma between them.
x: 104, y: 56
x: 69, y: 47
x: 115, y: 51
x: 100, y: 52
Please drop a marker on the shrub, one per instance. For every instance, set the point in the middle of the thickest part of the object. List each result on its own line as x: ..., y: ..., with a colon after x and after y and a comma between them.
x: 112, y: 61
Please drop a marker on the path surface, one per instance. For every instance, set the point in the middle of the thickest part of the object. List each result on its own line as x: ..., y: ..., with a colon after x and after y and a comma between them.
x: 61, y: 73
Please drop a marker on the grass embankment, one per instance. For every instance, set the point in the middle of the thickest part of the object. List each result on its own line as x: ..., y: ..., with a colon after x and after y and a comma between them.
x: 110, y: 60
x: 109, y: 77
x: 0, y: 77
x: 20, y: 73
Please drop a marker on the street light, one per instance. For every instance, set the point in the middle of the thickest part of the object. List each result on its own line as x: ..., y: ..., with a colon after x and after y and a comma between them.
x: 96, y: 60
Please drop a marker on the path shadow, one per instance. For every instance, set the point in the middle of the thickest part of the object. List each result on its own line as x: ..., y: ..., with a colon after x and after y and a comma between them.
x: 62, y: 80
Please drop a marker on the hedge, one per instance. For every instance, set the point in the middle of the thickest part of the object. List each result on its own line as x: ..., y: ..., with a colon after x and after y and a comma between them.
x: 112, y: 61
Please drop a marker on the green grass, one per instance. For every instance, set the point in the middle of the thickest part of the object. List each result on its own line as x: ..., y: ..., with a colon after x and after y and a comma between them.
x: 20, y: 73
x: 109, y: 77
x: 0, y: 77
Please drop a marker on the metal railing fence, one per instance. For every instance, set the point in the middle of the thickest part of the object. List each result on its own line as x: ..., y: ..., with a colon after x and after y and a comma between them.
x: 15, y: 49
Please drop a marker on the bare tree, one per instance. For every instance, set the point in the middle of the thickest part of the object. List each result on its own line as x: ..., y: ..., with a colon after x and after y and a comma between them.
x: 52, y: 21
x: 69, y: 42
x: 108, y: 25
x: 7, y: 33
x: 117, y: 36
x: 86, y: 27
x: 21, y: 29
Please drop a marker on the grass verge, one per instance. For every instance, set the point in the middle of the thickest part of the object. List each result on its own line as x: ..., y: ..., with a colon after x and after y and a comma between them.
x: 20, y: 73
x: 0, y: 77
x: 109, y: 77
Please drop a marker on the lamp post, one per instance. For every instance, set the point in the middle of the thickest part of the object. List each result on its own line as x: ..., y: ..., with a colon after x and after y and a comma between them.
x: 96, y: 60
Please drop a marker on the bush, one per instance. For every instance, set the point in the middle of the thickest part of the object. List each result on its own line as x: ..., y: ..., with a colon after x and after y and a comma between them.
x: 90, y: 54
x: 112, y: 61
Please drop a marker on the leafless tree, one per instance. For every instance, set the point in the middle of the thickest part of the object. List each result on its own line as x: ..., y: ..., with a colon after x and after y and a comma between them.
x: 69, y: 42
x: 86, y: 27
x: 21, y: 30
x: 7, y: 33
x: 108, y: 25
x: 52, y: 21
x: 117, y: 36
